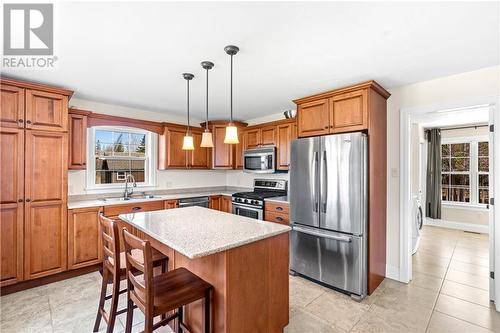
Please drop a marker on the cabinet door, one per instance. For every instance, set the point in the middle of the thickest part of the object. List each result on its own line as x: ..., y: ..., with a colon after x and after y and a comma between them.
x: 84, y: 237
x: 169, y: 204
x: 349, y: 112
x: 176, y: 157
x: 313, y: 118
x: 226, y: 204
x: 253, y: 139
x: 198, y: 158
x: 11, y: 205
x: 268, y: 136
x: 46, y: 111
x: 222, y: 155
x: 285, y: 135
x: 12, y: 106
x: 77, y: 141
x: 238, y: 150
x: 215, y: 202
x: 45, y: 237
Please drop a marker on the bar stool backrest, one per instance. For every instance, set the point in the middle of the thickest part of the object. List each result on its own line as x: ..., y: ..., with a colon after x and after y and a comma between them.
x: 110, y: 243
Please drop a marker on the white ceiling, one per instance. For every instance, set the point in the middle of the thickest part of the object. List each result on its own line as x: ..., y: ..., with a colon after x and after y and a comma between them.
x: 133, y: 54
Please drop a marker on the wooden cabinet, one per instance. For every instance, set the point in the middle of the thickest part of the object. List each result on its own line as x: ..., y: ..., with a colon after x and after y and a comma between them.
x: 46, y: 111
x: 226, y: 204
x: 84, y: 237
x: 349, y: 111
x: 313, y: 118
x: 214, y: 202
x: 276, y: 212
x: 223, y: 154
x: 12, y: 106
x: 252, y: 139
x: 170, y: 204
x: 268, y: 136
x: 198, y: 158
x: 285, y: 133
x: 77, y: 136
x: 176, y: 157
x: 11, y: 205
x: 146, y: 206
x: 238, y: 151
x: 45, y: 203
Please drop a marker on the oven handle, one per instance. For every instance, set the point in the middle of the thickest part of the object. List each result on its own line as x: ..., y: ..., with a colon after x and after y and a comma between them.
x: 238, y: 205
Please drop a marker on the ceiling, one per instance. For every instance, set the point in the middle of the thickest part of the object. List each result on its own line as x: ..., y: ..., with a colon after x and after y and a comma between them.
x: 133, y: 54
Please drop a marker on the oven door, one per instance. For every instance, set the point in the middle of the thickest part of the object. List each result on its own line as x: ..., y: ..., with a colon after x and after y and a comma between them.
x: 252, y: 212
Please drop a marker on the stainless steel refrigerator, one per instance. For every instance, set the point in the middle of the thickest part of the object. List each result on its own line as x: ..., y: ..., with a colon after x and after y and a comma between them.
x: 328, y: 181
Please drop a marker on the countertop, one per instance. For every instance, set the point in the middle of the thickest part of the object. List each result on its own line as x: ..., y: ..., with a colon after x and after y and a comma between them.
x: 197, y: 231
x: 101, y: 202
x: 283, y: 199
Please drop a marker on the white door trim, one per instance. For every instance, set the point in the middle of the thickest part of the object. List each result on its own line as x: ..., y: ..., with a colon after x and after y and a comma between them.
x: 405, y: 203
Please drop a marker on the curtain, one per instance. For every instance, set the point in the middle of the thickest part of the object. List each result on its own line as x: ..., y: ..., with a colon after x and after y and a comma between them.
x: 433, y: 182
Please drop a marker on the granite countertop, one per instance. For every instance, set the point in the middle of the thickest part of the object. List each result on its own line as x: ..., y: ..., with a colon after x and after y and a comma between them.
x: 85, y: 203
x: 283, y: 199
x: 197, y: 231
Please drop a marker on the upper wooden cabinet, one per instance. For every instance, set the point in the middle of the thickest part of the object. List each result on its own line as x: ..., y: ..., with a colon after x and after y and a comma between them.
x: 252, y: 138
x: 172, y: 156
x: 225, y: 156
x: 338, y: 111
x: 285, y: 133
x: 84, y: 237
x: 268, y: 136
x: 77, y: 136
x: 198, y: 158
x: 12, y: 102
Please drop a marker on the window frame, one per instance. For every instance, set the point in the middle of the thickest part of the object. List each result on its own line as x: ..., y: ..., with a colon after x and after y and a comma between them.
x: 149, y: 165
x: 473, y: 169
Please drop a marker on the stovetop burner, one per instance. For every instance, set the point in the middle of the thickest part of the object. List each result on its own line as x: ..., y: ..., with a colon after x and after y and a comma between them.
x: 260, y: 195
x: 262, y: 189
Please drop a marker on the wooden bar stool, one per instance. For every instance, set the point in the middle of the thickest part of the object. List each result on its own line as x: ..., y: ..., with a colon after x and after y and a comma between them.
x: 114, y: 271
x: 160, y: 294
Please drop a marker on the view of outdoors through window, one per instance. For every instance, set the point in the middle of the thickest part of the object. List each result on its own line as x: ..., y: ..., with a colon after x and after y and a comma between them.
x: 483, y: 172
x: 117, y: 154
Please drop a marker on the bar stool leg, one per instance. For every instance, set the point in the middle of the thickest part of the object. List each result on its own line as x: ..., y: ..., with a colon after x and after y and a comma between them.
x: 148, y: 325
x: 206, y: 311
x: 102, y: 299
x: 114, y: 304
x: 130, y: 316
x: 180, y: 319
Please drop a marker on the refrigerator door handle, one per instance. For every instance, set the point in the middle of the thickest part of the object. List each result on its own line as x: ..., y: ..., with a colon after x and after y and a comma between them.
x: 324, y: 235
x: 314, y: 168
x: 324, y: 183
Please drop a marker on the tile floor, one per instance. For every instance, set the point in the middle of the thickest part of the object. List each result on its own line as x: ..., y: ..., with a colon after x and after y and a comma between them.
x: 449, y: 293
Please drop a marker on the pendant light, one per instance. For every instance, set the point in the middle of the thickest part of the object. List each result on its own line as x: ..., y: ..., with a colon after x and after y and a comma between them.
x: 231, y: 130
x: 188, y: 138
x: 206, y: 139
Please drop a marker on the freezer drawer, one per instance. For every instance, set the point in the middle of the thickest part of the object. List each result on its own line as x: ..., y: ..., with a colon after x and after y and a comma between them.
x: 329, y: 257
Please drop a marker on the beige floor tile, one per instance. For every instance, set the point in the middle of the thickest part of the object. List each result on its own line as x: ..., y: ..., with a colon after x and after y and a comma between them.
x: 445, y: 252
x: 429, y: 269
x: 466, y: 293
x: 426, y: 281
x: 371, y: 323
x: 410, y: 317
x: 407, y: 294
x: 303, y: 322
x: 428, y: 259
x: 442, y: 323
x: 338, y: 310
x: 475, y: 252
x: 470, y: 312
x: 303, y: 292
x: 469, y: 268
x: 477, y: 281
x: 468, y: 257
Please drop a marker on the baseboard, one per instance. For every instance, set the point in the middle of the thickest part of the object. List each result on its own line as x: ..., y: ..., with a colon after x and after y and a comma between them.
x: 392, y: 272
x: 484, y: 229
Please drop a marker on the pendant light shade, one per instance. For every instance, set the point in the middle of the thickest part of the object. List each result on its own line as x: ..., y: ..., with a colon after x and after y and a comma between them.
x: 206, y: 139
x: 231, y: 130
x: 187, y: 143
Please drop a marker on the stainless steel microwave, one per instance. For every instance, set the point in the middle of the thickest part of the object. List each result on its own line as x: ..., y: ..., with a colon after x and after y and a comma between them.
x: 260, y: 160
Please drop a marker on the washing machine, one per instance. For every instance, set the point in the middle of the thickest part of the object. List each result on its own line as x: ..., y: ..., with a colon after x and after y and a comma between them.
x: 418, y: 220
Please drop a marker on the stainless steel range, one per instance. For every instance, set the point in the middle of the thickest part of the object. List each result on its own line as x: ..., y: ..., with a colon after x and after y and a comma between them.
x: 251, y: 204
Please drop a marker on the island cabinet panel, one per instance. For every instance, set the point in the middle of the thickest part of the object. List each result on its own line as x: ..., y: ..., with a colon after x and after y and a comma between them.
x: 11, y: 205
x: 313, y: 118
x: 84, y: 237
x: 46, y: 111
x: 169, y: 204
x: 349, y: 111
x: 215, y: 202
x: 12, y: 106
x: 77, y: 132
x: 198, y: 158
x: 226, y: 204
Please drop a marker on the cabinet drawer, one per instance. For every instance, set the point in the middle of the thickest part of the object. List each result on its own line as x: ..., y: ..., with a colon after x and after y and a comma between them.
x: 276, y: 207
x: 276, y: 217
x: 133, y: 208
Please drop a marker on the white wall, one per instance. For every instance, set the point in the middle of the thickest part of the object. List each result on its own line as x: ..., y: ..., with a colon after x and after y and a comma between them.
x: 239, y: 178
x: 465, y: 88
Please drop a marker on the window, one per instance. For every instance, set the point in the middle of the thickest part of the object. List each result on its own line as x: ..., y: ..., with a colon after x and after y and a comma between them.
x: 115, y: 152
x: 464, y: 169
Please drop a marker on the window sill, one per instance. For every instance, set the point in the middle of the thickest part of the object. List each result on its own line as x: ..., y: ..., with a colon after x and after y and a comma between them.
x: 459, y: 205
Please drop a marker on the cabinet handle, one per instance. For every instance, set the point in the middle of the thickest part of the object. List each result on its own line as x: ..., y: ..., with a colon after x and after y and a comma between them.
x: 28, y: 200
x: 136, y: 208
x: 28, y: 122
x: 19, y: 200
x: 20, y: 121
x: 279, y: 208
x: 279, y: 218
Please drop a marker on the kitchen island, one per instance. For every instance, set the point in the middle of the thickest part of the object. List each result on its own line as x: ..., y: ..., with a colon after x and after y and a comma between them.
x: 246, y: 260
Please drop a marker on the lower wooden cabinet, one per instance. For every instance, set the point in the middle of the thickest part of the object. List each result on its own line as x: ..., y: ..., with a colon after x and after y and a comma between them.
x: 11, y: 243
x: 276, y: 212
x: 169, y: 204
x: 214, y: 202
x: 45, y: 238
x: 226, y: 204
x: 84, y: 237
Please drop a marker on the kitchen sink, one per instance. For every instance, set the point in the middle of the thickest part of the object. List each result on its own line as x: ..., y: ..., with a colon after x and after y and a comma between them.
x: 120, y: 199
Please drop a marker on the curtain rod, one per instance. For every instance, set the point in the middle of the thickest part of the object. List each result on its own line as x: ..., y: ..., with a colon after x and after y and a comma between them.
x: 462, y: 127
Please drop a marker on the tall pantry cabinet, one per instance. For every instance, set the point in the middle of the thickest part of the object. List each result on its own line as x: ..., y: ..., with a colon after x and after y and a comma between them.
x: 33, y: 177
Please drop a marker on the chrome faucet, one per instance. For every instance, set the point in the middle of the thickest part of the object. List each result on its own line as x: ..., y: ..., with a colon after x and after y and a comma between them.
x: 128, y: 192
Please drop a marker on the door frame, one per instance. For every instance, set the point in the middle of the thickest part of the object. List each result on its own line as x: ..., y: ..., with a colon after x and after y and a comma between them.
x: 405, y: 200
